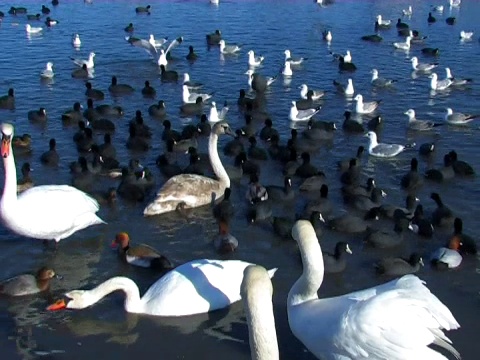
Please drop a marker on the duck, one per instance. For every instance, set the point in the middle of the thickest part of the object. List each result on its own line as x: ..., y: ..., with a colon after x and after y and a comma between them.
x: 28, y: 284
x: 468, y: 244
x: 419, y: 224
x: 336, y: 262
x: 129, y: 28
x: 442, y: 215
x: 397, y: 266
x: 225, y: 242
x: 372, y: 38
x: 48, y: 212
x: 141, y: 255
x: 448, y: 257
x: 158, y: 110
x: 148, y: 90
x: 7, y: 102
x: 214, y: 38
x: 26, y: 181
x: 351, y: 224
x: 50, y: 157
x: 191, y: 56
x: 335, y: 327
x: 412, y: 180
x: 51, y: 22
x: 92, y: 93
x: 119, y: 89
x: 81, y: 73
x: 39, y: 116
x: 196, y: 287
x: 385, y: 239
x: 45, y: 10
x: 431, y: 19
x: 143, y: 9
x: 33, y: 16
x: 281, y: 193
x: 444, y: 173
x: 192, y: 189
x: 224, y: 210
x: 256, y: 292
x: 460, y: 167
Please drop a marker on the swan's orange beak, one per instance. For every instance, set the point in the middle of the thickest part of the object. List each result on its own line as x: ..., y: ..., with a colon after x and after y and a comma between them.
x: 57, y: 305
x: 5, y: 146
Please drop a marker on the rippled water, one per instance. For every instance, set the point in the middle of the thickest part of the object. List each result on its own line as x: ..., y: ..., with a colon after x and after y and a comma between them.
x: 268, y: 27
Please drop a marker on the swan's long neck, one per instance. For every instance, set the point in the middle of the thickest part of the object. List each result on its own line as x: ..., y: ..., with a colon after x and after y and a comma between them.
x: 306, y: 287
x: 10, y: 189
x: 256, y: 292
x: 215, y: 161
x: 133, y: 303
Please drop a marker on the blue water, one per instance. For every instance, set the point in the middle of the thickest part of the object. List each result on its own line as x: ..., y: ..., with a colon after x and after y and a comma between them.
x: 267, y: 27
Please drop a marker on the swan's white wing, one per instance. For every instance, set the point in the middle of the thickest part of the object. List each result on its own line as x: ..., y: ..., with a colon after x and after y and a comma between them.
x: 397, y: 320
x: 196, y: 287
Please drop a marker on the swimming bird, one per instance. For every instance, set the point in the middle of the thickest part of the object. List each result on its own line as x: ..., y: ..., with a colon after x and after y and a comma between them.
x: 382, y: 23
x: 287, y: 69
x: 76, y: 42
x: 50, y: 157
x: 419, y: 125
x: 466, y: 35
x: 129, y: 28
x: 89, y: 62
x: 143, y: 9
x: 168, y: 75
x: 316, y: 94
x: 193, y: 190
x: 365, y: 107
x: 27, y: 284
x: 457, y: 81
x: 26, y: 182
x: 412, y: 180
x: 258, y: 82
x: 346, y: 90
x: 403, y: 316
x: 380, y: 81
x: 422, y: 67
x: 32, y: 30
x: 439, y: 85
x: 256, y: 291
x: 45, y: 10
x: 196, y: 287
x: 448, y: 257
x: 372, y: 38
x: 48, y: 212
x: 191, y: 56
x: 327, y: 36
x: 301, y: 115
x: 437, y: 8
x: 454, y: 3
x: 141, y: 255
x: 292, y: 60
x: 214, y: 38
x: 382, y: 150
x: 7, y: 102
x: 82, y: 73
x: 229, y: 49
x: 39, y: 115
x: 442, y: 215
x: 460, y: 167
x: 51, y: 22
x: 431, y: 19
x: 253, y: 60
x: 192, y: 85
x: 458, y: 118
x: 408, y: 11
x: 148, y: 90
x: 163, y: 54
x: 92, y: 93
x: 191, y: 97
x: 398, y: 266
x: 215, y: 115
x: 117, y: 89
x: 451, y: 20
x: 47, y: 73
x: 403, y: 45
x: 336, y: 262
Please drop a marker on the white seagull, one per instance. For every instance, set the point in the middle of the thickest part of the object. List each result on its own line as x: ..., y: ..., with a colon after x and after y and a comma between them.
x: 423, y: 67
x: 466, y: 35
x: 383, y: 22
x: 327, y: 36
x: 190, y: 97
x: 457, y: 81
x: 348, y: 90
x: 365, y: 107
x: 254, y: 60
x: 316, y: 94
x: 89, y: 62
x: 163, y: 53
x: 380, y: 149
x: 76, y: 42
x: 301, y: 115
x: 32, y: 30
x: 408, y: 12
x: 157, y: 43
x: 191, y: 84
x: 458, y: 118
x: 229, y: 49
x: 380, y: 81
x: 293, y: 61
x: 436, y: 84
x: 48, y: 73
x: 419, y: 125
x: 287, y: 69
x: 347, y: 57
x: 403, y: 45
x: 454, y: 3
x: 215, y: 115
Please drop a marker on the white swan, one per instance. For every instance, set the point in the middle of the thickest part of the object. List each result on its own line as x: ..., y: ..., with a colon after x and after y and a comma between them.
x: 49, y: 212
x: 256, y: 291
x: 195, y: 287
x: 396, y: 320
x: 190, y: 189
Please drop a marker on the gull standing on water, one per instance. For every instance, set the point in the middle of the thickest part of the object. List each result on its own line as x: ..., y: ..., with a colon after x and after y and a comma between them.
x: 382, y: 150
x: 365, y: 107
x: 229, y: 49
x: 419, y: 125
x: 458, y: 118
x: 301, y: 115
x: 436, y: 84
x: 253, y: 60
x: 48, y: 73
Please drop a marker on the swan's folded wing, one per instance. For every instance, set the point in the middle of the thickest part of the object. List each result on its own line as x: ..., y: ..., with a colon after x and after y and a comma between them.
x: 397, y: 320
x: 181, y: 187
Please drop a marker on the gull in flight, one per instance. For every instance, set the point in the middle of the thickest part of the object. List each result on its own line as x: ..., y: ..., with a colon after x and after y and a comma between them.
x: 365, y: 107
x: 419, y: 125
x: 89, y: 62
x: 302, y: 115
x: 458, y: 118
x: 155, y: 47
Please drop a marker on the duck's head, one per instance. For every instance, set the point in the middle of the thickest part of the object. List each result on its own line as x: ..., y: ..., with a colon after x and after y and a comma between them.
x: 45, y: 274
x: 121, y: 239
